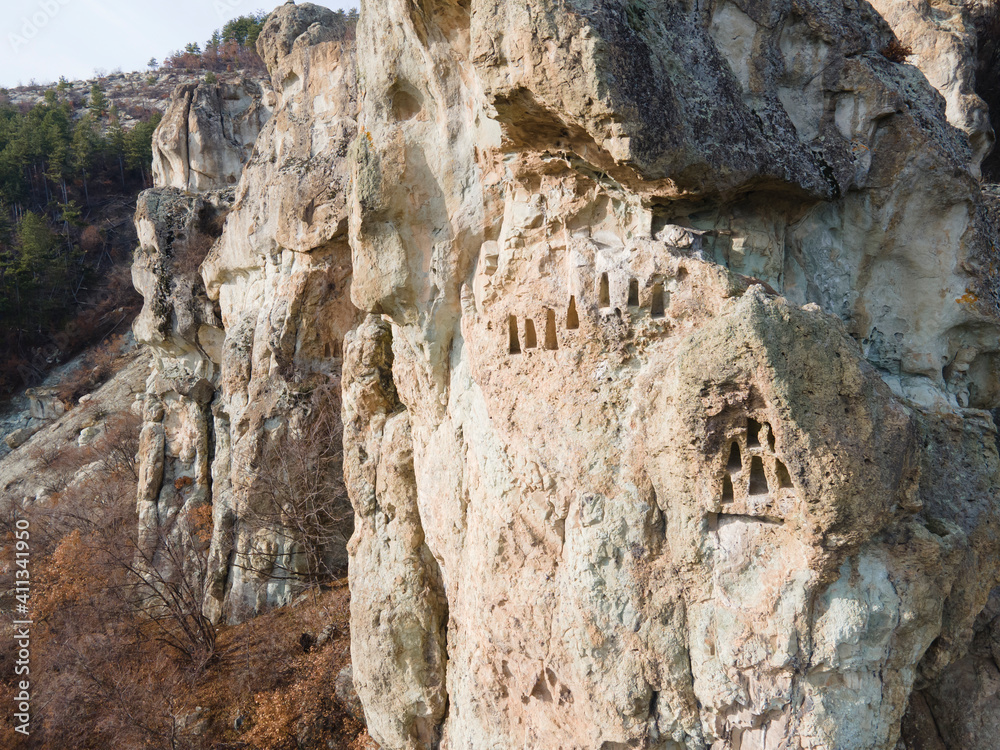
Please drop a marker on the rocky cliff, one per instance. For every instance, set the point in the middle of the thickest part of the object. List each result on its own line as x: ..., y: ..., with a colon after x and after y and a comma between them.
x: 208, y: 133
x: 246, y: 323
x: 667, y: 335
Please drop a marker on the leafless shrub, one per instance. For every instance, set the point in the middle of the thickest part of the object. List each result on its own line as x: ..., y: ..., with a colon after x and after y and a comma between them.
x: 896, y: 51
x: 119, y: 624
x: 97, y: 366
x: 91, y: 239
x: 299, y: 493
x: 166, y: 584
x: 159, y: 581
x: 118, y: 446
x: 189, y: 255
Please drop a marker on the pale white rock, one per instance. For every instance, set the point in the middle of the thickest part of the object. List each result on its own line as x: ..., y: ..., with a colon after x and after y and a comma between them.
x: 733, y: 499
x: 44, y: 404
x: 281, y: 276
x: 19, y: 437
x: 247, y: 300
x: 207, y: 134
x: 943, y: 44
x: 88, y: 435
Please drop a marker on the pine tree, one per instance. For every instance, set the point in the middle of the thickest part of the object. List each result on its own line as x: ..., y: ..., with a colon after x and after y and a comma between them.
x: 86, y: 143
x: 115, y: 141
x: 98, y: 101
x: 138, y: 145
x: 57, y: 129
x: 244, y: 30
x: 41, y: 272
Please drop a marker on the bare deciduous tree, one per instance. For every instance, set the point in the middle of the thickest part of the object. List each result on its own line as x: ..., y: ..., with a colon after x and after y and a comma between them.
x: 298, y: 496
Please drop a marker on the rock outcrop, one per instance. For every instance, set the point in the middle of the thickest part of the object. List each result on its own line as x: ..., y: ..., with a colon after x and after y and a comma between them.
x: 183, y: 329
x: 942, y: 44
x: 669, y: 425
x: 281, y: 275
x: 43, y: 407
x: 246, y: 324
x: 207, y: 134
x: 667, y: 337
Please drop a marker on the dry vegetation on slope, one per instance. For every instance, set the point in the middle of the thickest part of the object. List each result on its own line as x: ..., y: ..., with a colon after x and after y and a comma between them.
x: 122, y: 656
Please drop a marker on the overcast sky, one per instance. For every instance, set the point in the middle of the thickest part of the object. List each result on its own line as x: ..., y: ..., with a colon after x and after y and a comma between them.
x: 45, y: 39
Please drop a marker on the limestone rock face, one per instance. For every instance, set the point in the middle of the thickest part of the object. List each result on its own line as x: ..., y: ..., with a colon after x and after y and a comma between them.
x: 666, y: 337
x: 253, y: 328
x: 207, y: 133
x: 182, y: 329
x: 943, y: 45
x: 668, y: 425
x: 281, y: 275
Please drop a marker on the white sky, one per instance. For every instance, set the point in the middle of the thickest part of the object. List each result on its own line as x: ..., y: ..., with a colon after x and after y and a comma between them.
x: 45, y: 39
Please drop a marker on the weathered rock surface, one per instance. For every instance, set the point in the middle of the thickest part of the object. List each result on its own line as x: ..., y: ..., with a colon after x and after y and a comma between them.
x: 669, y: 339
x: 43, y: 407
x: 207, y: 133
x: 245, y: 323
x: 27, y: 473
x: 182, y: 328
x: 943, y: 45
x: 668, y: 426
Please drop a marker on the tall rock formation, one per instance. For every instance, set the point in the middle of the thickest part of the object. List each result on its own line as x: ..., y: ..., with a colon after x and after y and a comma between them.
x: 668, y: 336
x: 281, y: 275
x: 207, y: 134
x: 246, y: 306
x: 669, y: 425
x: 942, y: 42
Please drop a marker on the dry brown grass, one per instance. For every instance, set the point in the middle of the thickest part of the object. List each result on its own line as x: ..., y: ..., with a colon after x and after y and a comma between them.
x: 98, y: 365
x: 106, y: 674
x: 896, y: 51
x: 283, y: 694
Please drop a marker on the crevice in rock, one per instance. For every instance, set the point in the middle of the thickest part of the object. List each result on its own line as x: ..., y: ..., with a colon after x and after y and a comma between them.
x: 747, y: 518
x: 784, y: 479
x: 530, y: 341
x: 514, y: 342
x: 735, y: 463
